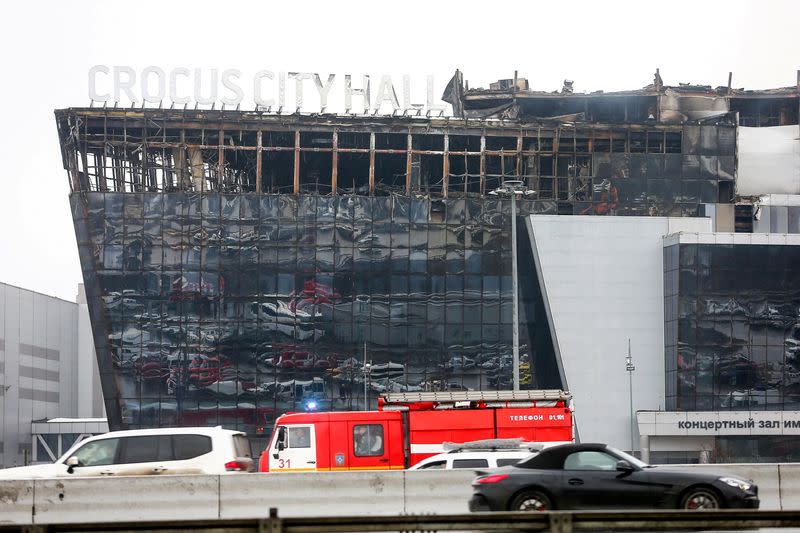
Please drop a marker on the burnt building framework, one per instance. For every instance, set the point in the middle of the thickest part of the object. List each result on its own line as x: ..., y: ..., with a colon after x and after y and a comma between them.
x: 240, y: 263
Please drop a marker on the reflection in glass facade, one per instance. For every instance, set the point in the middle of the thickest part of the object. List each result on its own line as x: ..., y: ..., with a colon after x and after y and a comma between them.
x: 732, y: 327
x: 239, y: 264
x: 738, y: 449
x: 229, y: 309
x: 763, y: 449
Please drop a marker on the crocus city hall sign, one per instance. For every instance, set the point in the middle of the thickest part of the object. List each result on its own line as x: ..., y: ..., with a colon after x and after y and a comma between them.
x: 183, y: 86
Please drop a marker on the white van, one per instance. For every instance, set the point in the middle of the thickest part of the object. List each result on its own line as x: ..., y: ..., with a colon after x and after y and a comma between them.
x: 490, y: 453
x: 472, y: 459
x: 144, y: 452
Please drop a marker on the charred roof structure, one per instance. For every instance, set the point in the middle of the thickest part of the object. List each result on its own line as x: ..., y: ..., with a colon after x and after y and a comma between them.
x: 511, y: 99
x: 572, y: 167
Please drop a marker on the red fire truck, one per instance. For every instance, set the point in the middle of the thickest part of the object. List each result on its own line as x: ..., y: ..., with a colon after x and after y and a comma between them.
x: 408, y: 427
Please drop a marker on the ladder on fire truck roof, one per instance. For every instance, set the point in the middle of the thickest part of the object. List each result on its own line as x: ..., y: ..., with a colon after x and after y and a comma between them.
x: 472, y: 396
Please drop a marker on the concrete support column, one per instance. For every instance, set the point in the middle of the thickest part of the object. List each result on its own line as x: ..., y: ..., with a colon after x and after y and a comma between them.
x: 644, y: 447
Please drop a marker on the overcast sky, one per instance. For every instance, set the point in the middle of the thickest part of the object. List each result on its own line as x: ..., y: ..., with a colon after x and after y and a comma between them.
x: 48, y: 47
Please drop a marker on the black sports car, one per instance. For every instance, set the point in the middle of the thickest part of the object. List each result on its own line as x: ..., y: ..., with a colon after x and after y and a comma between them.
x: 595, y: 476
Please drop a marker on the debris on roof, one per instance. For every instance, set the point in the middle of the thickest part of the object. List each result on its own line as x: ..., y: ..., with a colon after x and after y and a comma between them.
x: 513, y: 99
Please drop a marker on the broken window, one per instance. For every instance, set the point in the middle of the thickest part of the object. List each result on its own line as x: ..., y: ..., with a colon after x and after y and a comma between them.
x: 546, y: 165
x: 530, y: 167
x: 353, y: 173
x: 431, y: 174
x: 638, y: 142
x: 545, y: 188
x: 353, y: 140
x: 428, y: 143
x: 278, y: 172
x: 563, y: 188
x: 763, y: 112
x: 501, y: 143
x: 583, y: 166
x: 601, y: 144
x: 655, y: 142
x: 464, y: 164
x: 317, y: 140
x: 611, y: 109
x: 390, y: 173
x: 395, y: 141
x: 456, y: 175
x: 546, y: 141
x: 315, y: 172
x: 672, y: 142
x: 565, y: 165
x: 582, y: 144
x: 499, y: 168
x: 566, y: 140
x: 465, y: 143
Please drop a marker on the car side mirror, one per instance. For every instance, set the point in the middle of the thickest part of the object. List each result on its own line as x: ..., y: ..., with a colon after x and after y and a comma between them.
x: 624, y: 466
x: 71, y: 463
x: 281, y: 440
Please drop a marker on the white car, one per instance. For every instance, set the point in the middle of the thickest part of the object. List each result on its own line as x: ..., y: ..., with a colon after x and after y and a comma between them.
x: 472, y: 459
x: 142, y: 452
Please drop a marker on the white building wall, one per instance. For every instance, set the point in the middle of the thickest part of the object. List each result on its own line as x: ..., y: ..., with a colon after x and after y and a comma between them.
x: 89, y: 397
x: 768, y: 160
x: 777, y: 213
x: 603, y: 283
x: 39, y: 367
x: 10, y: 436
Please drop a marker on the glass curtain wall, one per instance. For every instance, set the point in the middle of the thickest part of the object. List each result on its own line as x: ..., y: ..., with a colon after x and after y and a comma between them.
x: 733, y: 327
x: 233, y: 308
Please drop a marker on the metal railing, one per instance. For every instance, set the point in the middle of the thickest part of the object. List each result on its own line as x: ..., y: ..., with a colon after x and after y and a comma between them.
x: 553, y: 521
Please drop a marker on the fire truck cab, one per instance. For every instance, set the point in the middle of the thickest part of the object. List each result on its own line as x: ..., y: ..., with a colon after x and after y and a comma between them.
x: 348, y: 440
x: 409, y: 427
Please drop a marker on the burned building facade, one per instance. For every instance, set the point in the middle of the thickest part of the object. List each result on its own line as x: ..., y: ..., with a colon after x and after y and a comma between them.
x: 240, y: 264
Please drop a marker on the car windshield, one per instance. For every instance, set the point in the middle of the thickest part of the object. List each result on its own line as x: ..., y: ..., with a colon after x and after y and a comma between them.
x: 631, y: 459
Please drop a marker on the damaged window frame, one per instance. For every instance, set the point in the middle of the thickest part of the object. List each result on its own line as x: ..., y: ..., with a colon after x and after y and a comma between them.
x: 104, y: 153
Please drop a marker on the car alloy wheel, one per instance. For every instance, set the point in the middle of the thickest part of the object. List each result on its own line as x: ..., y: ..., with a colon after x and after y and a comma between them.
x: 701, y: 499
x: 531, y: 501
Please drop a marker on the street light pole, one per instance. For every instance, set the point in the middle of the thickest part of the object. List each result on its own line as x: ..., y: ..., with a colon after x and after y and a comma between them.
x: 514, y: 290
x: 630, y: 368
x: 513, y: 188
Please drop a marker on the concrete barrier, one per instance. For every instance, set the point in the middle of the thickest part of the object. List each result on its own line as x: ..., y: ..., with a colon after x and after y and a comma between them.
x: 248, y: 496
x: 312, y: 494
x: 133, y: 498
x: 16, y: 501
x: 789, y: 475
x: 438, y: 491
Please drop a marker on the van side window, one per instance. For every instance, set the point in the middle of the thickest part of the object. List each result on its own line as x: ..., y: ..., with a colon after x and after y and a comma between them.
x: 97, y: 453
x: 368, y: 440
x: 300, y: 437
x: 434, y: 465
x: 190, y: 446
x: 470, y: 463
x: 146, y: 449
